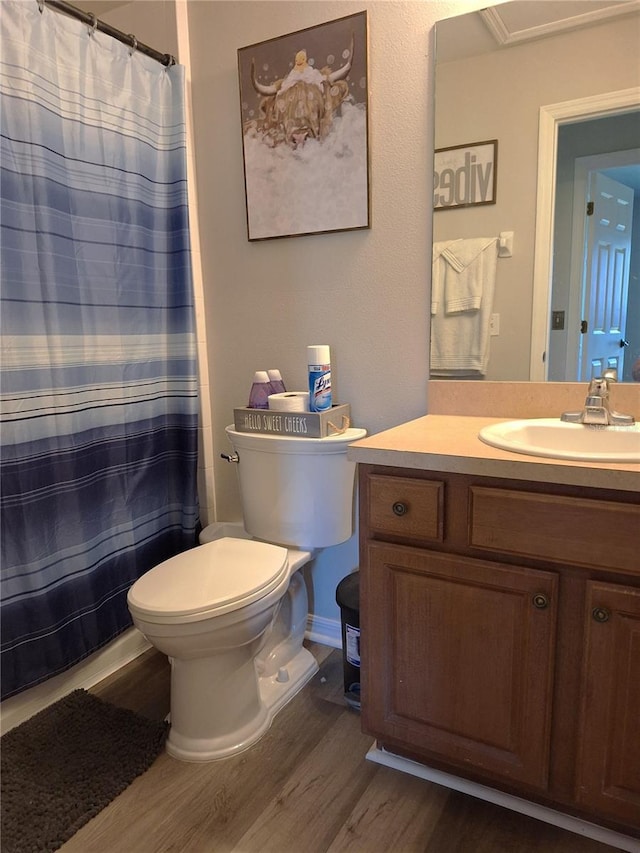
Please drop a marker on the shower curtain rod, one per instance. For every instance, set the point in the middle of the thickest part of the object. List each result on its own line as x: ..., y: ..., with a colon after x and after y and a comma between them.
x: 96, y: 23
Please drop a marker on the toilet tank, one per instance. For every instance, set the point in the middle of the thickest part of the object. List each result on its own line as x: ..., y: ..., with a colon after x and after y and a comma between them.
x: 296, y: 491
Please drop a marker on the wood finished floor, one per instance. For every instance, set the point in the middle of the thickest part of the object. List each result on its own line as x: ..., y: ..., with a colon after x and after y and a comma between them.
x: 304, y: 788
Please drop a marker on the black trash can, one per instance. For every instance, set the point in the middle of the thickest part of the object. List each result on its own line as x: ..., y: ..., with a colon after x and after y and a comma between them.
x: 348, y: 599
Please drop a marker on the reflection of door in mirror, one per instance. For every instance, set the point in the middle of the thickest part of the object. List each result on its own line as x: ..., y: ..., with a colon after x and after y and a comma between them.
x: 597, y: 313
x: 607, y: 252
x: 486, y: 90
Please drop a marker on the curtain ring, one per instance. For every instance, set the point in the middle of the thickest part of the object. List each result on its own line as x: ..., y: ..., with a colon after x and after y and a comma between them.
x: 94, y: 23
x: 134, y: 44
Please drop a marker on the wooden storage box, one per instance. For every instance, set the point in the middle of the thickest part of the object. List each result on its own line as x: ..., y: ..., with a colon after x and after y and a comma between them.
x: 298, y: 424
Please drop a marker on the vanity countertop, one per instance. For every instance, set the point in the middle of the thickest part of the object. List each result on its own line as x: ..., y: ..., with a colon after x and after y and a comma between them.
x: 450, y: 443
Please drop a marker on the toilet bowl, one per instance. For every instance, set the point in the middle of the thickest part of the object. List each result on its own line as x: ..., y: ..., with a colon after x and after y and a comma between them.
x: 231, y: 613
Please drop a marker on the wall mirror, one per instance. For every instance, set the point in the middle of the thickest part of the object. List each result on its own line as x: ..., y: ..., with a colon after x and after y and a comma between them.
x: 565, y: 112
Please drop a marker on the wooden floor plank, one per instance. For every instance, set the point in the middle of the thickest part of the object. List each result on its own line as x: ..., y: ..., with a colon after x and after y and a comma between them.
x: 318, y: 796
x: 392, y: 816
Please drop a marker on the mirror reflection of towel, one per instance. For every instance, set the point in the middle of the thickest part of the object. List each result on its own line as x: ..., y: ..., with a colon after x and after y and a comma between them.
x: 459, y: 335
x: 464, y: 274
x: 437, y: 274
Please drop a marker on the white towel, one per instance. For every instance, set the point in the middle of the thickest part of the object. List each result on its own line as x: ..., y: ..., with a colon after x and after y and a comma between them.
x: 437, y: 274
x: 464, y: 273
x: 460, y: 341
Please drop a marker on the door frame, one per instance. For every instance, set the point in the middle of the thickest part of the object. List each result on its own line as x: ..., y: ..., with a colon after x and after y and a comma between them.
x: 551, y: 117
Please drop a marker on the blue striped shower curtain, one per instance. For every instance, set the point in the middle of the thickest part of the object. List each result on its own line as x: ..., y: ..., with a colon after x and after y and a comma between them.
x: 98, y: 371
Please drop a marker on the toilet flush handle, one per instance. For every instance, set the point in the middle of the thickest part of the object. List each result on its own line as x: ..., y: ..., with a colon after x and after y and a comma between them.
x: 230, y: 457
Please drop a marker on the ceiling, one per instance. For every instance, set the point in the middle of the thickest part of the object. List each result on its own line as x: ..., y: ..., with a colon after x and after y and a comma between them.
x: 519, y: 21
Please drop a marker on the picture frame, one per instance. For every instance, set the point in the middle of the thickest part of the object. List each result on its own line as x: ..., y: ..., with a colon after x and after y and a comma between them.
x: 304, y: 104
x: 465, y: 175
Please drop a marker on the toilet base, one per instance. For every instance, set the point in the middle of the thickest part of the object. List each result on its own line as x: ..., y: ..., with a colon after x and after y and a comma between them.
x: 215, y: 748
x: 275, y: 691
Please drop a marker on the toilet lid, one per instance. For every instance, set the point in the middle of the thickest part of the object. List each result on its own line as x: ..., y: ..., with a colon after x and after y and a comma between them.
x: 209, y: 578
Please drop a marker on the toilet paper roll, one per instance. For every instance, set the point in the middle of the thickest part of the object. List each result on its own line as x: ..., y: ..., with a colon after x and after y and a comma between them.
x: 290, y: 401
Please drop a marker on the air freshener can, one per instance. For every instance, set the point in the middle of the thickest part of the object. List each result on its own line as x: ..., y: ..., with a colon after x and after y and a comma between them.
x: 319, y: 364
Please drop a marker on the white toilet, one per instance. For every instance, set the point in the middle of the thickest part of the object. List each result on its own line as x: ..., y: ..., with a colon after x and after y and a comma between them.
x: 231, y: 614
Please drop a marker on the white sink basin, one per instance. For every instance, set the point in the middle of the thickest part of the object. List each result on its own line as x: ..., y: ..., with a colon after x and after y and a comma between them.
x: 556, y: 439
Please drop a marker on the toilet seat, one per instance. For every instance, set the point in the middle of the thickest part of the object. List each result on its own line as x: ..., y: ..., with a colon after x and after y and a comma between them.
x: 209, y: 580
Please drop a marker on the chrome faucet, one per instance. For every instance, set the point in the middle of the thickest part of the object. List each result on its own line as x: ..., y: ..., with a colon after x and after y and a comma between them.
x: 597, y: 408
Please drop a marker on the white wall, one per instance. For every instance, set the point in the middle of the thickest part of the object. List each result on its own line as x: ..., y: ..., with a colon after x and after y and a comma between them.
x: 365, y: 293
x: 152, y: 22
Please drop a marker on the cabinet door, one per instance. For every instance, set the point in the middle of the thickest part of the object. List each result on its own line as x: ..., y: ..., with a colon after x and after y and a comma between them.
x: 609, y: 761
x: 457, y: 659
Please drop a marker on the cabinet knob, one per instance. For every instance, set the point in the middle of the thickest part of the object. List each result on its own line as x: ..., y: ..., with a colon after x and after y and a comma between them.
x: 540, y: 600
x: 600, y: 614
x: 400, y: 508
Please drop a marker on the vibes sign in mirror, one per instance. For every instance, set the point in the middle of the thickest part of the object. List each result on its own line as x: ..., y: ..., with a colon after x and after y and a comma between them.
x: 465, y: 175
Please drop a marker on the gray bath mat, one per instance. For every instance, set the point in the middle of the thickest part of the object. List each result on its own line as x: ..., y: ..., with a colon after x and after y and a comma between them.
x: 65, y: 764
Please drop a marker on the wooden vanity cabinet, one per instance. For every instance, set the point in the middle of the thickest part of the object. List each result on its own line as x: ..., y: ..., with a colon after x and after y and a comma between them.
x: 501, y: 634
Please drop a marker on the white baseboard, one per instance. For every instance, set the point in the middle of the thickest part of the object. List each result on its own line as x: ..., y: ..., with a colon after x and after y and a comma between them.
x: 85, y: 674
x: 327, y: 632
x: 482, y: 792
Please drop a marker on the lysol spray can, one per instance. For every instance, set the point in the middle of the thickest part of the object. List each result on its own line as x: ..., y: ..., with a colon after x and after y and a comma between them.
x: 319, y: 362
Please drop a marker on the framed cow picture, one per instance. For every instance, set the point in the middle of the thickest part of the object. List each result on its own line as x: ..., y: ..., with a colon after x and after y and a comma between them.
x: 305, y: 130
